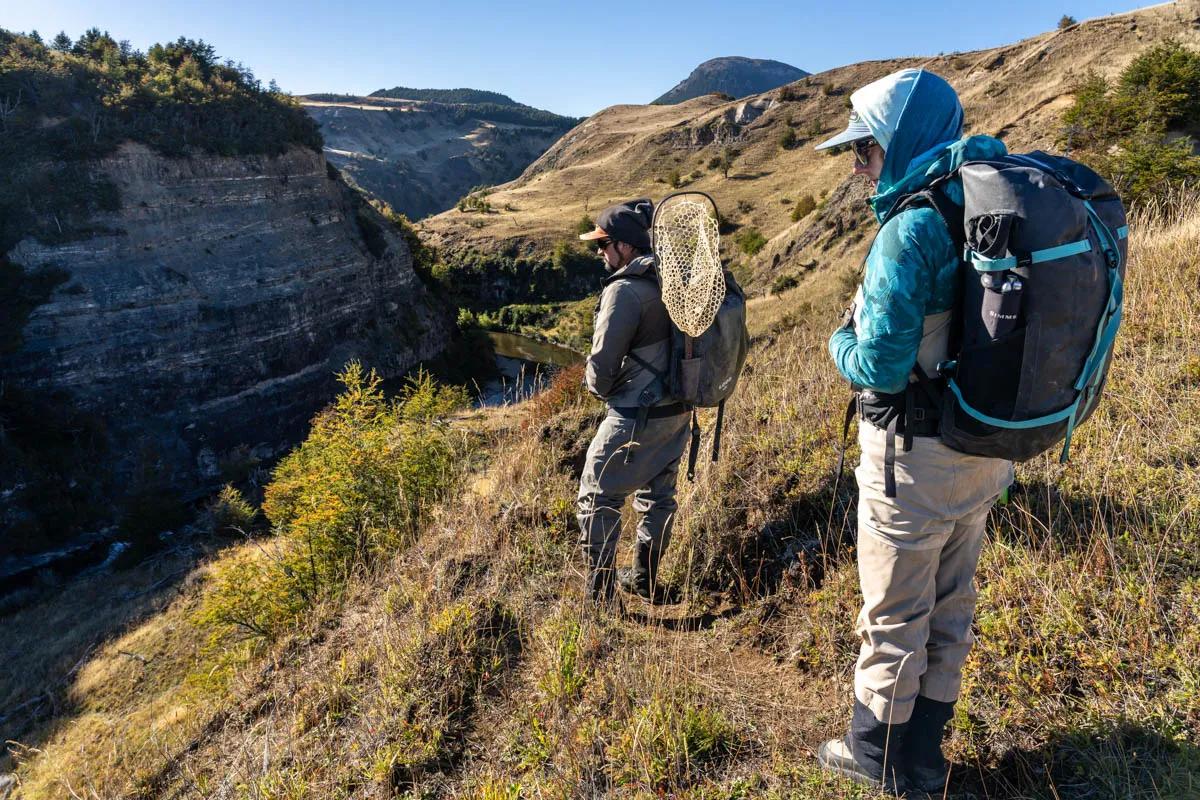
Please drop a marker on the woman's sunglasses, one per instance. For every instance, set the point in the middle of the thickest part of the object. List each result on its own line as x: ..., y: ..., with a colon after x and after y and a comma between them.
x: 862, y: 150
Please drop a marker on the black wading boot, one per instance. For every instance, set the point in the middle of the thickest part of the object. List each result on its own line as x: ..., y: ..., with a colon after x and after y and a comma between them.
x: 642, y: 578
x: 870, y: 753
x: 925, y: 766
x: 602, y: 590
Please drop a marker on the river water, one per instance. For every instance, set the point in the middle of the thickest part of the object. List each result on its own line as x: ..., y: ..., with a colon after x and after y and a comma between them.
x: 525, y: 365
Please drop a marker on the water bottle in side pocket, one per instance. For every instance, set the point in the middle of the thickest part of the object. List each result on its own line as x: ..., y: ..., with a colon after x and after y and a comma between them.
x: 1001, y: 303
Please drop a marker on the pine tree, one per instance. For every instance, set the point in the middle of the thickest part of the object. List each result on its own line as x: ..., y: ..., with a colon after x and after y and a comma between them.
x: 37, y: 37
x: 62, y: 43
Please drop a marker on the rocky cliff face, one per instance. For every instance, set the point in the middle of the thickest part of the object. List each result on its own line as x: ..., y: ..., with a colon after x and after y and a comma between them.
x: 203, y: 323
x: 421, y: 157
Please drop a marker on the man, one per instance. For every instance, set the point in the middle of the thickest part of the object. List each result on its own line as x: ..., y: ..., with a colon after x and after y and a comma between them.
x: 923, y: 507
x: 638, y: 445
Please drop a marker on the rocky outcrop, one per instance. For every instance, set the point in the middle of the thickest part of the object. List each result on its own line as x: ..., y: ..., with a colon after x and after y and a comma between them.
x: 207, y: 318
x: 422, y: 157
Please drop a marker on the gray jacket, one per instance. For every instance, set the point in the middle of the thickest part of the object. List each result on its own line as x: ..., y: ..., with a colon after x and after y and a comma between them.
x: 630, y: 317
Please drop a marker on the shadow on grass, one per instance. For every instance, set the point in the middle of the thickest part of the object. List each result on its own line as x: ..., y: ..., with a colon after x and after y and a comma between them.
x: 1123, y: 760
x: 44, y: 653
x: 689, y: 624
x: 807, y: 537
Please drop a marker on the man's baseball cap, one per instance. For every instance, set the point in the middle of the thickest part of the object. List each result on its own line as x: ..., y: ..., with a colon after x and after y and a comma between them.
x: 857, y: 129
x: 627, y: 222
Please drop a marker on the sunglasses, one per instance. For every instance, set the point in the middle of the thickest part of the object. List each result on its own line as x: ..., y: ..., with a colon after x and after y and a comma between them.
x: 862, y: 150
x: 602, y: 244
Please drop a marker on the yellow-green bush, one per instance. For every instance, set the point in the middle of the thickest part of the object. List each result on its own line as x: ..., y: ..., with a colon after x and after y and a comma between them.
x: 356, y: 489
x: 230, y: 511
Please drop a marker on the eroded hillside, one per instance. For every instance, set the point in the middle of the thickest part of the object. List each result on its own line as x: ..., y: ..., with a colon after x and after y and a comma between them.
x: 199, y: 281
x: 1017, y: 92
x: 422, y: 157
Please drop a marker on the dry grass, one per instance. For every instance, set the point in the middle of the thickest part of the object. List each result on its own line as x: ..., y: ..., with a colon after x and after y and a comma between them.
x: 468, y: 668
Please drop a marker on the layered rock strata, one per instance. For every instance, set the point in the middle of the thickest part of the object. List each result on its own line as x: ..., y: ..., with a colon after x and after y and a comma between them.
x: 211, y: 314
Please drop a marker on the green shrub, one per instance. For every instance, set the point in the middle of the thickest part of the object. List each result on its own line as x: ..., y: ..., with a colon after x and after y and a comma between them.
x: 784, y: 282
x: 749, y: 240
x: 356, y: 489
x: 790, y: 93
x: 585, y: 225
x: 804, y: 206
x: 475, y: 203
x: 1066, y: 21
x: 1124, y: 130
x: 674, y: 179
x: 787, y: 139
x: 229, y: 511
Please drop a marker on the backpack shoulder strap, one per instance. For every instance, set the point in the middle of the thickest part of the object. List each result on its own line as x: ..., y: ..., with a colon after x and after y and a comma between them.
x: 951, y: 213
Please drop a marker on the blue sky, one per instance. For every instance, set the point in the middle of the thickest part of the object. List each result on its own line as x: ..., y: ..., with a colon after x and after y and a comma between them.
x: 573, y: 58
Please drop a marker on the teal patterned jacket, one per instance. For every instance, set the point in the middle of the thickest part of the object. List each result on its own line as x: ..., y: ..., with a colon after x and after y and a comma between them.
x: 910, y: 272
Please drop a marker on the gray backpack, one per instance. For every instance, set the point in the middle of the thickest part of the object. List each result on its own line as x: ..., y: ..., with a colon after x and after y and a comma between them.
x: 704, y: 370
x: 1044, y: 246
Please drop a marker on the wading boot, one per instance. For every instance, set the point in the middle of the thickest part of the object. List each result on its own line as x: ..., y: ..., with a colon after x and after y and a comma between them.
x: 602, y: 591
x: 642, y: 578
x: 924, y: 765
x: 869, y: 753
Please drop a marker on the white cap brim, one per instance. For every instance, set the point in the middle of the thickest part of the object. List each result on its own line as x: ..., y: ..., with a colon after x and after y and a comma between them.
x: 854, y: 131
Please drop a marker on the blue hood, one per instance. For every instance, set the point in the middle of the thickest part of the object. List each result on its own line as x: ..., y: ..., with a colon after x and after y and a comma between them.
x: 936, y: 163
x: 915, y: 115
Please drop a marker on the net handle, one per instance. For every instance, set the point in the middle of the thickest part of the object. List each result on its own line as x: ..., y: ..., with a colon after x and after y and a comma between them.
x: 663, y: 202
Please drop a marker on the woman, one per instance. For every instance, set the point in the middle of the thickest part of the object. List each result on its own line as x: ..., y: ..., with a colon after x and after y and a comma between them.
x: 922, y: 507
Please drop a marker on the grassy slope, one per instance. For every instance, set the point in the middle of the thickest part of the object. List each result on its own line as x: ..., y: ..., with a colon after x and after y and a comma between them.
x: 463, y: 667
x: 1017, y: 92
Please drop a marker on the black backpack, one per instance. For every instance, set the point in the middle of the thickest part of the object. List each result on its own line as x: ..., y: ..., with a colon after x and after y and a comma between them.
x: 1043, y: 240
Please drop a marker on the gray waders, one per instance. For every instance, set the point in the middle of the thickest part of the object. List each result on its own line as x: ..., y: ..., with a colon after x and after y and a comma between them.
x: 635, y: 451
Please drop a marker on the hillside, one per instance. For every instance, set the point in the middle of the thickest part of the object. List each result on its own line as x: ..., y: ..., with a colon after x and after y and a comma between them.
x: 735, y: 76
x: 1017, y: 92
x: 402, y: 616
x: 461, y: 666
x: 422, y: 154
x: 176, y: 290
x: 446, y: 95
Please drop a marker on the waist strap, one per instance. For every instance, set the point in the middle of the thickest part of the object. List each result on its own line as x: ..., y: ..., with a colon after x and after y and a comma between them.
x: 653, y: 412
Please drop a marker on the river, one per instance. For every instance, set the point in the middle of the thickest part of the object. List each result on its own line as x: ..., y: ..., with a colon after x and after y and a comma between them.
x: 525, y: 365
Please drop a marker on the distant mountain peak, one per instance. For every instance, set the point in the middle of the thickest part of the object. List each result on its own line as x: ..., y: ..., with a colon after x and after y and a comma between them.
x: 737, y: 76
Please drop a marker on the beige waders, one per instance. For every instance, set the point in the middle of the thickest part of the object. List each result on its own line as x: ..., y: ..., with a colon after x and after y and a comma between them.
x: 917, y: 554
